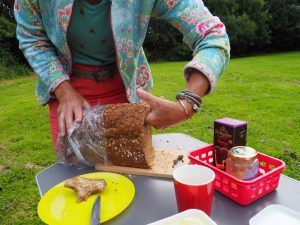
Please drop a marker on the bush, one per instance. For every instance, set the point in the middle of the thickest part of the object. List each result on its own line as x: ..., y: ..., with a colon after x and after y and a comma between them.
x: 160, y: 45
x: 12, y: 71
x: 245, y: 21
x: 252, y: 26
x: 285, y: 24
x: 10, y: 55
x: 7, y: 36
x: 6, y: 8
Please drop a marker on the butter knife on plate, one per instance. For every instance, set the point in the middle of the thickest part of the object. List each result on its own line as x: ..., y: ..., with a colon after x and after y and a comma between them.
x: 95, y: 215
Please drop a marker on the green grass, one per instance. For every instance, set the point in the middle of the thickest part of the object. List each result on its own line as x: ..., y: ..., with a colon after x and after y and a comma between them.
x: 264, y: 91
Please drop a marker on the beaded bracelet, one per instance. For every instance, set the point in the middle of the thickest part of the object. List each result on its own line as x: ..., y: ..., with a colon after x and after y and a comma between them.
x: 191, y: 94
x: 192, y: 98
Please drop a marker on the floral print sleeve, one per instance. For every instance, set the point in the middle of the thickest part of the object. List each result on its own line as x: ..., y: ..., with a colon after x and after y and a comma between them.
x: 37, y: 48
x: 203, y: 33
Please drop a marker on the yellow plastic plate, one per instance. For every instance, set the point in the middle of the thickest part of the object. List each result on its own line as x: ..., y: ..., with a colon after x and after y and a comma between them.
x: 59, y: 205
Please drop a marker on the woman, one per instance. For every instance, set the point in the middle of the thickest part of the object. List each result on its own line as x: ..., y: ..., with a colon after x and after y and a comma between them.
x: 88, y: 52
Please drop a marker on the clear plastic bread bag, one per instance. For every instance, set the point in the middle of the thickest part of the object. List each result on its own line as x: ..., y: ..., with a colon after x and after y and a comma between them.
x: 85, y: 142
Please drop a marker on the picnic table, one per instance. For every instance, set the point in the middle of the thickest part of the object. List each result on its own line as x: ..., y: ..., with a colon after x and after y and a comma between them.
x: 155, y: 197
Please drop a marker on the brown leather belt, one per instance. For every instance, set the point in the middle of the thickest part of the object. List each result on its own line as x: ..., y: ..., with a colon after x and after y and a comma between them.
x: 101, y: 74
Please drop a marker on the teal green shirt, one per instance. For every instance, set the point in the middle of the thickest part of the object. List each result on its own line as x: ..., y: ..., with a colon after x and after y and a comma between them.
x: 89, y: 34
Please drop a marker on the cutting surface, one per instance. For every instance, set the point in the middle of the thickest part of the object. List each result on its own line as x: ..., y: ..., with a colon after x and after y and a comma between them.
x: 163, y: 164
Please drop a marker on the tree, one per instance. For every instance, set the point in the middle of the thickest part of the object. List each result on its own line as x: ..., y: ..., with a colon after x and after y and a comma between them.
x: 245, y: 21
x: 285, y: 24
x: 7, y: 38
x: 9, y: 46
x: 6, y: 9
x: 168, y: 45
x: 252, y: 25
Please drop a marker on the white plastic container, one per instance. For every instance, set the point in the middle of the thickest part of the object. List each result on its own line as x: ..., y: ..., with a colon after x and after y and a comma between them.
x: 276, y: 215
x: 188, y: 217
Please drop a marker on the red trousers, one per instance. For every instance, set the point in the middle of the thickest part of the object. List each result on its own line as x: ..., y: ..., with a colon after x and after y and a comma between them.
x: 110, y: 91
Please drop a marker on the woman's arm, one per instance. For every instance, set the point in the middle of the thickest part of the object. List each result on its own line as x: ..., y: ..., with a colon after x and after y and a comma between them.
x: 206, y: 36
x: 36, y: 46
x: 43, y: 58
x: 204, y: 33
x: 165, y: 113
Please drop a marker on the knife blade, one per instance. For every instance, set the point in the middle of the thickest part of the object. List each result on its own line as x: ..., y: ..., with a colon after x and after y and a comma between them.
x: 95, y: 215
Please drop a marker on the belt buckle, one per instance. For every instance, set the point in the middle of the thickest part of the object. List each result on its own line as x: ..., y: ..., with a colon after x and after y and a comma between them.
x: 102, y: 74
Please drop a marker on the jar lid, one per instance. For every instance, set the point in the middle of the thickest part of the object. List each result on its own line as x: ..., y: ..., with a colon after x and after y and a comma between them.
x: 242, y: 153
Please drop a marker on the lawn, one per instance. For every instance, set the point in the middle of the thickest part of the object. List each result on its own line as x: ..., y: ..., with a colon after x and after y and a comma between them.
x: 262, y: 90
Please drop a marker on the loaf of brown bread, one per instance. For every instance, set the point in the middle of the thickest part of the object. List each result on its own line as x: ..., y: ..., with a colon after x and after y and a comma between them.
x: 114, y: 134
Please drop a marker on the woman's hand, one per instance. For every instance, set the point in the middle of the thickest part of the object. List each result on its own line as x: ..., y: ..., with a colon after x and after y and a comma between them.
x: 71, y: 105
x: 163, y: 113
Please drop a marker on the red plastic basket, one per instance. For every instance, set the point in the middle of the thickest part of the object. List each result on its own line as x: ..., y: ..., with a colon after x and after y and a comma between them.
x: 242, y: 192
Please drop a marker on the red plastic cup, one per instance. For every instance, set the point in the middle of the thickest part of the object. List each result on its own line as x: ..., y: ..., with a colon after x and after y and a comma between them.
x: 194, y: 187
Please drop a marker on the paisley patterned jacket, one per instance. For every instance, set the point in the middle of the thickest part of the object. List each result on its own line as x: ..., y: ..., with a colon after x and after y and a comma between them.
x: 42, y: 27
